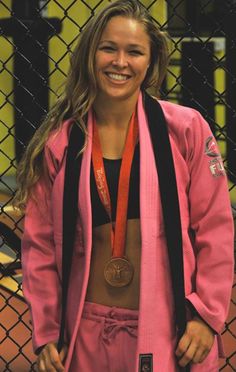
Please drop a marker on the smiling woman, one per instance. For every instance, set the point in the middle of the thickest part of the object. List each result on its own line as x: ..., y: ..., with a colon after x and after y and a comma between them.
x: 119, y: 291
x: 122, y: 59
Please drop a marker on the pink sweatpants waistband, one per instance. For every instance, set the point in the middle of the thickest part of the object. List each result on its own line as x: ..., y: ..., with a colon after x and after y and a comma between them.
x: 119, y: 313
x: 112, y: 319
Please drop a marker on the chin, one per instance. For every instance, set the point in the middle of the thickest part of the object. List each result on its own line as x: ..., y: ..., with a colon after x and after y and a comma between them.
x: 120, y: 96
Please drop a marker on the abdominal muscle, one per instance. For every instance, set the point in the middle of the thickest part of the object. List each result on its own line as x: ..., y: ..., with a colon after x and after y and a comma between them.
x: 99, y: 291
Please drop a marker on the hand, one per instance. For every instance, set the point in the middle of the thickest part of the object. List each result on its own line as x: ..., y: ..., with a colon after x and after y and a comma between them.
x: 196, y: 342
x: 50, y: 360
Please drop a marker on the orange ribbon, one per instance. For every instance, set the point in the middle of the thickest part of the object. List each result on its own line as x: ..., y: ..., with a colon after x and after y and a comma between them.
x: 118, y: 233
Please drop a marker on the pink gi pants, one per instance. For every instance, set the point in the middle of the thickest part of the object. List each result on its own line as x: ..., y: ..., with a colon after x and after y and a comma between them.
x: 106, y: 341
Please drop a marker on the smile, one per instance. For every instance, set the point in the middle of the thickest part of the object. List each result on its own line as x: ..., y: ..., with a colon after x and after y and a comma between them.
x: 117, y: 77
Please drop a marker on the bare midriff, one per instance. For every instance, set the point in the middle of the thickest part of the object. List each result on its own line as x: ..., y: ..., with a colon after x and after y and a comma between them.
x: 99, y: 291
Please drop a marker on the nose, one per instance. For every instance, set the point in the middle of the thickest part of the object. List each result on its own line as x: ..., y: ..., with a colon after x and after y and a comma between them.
x: 120, y: 60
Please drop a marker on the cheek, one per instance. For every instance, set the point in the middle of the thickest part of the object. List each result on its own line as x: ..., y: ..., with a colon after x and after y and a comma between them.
x: 98, y: 62
x: 98, y: 67
x: 101, y: 61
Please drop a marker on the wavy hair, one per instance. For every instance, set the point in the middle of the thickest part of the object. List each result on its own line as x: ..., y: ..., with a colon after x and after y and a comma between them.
x: 81, y: 87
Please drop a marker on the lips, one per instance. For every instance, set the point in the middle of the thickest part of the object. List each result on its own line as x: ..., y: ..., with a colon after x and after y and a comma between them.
x: 117, y: 77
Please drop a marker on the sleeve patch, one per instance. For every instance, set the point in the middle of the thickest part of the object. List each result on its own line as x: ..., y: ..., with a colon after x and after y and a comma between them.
x: 216, y: 167
x: 211, y: 148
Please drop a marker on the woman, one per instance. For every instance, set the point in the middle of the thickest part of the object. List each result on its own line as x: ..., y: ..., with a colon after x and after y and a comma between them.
x: 120, y: 314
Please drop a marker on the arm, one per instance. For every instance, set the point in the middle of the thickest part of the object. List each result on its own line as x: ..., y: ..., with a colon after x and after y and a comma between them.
x: 41, y: 284
x: 212, y: 225
x: 212, y: 230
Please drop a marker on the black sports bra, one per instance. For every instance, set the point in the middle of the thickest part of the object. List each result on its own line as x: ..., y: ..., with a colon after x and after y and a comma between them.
x: 112, y: 170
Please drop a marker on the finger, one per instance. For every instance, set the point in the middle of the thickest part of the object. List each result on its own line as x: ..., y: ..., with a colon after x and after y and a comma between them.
x: 55, y: 358
x: 47, y: 360
x: 188, y: 355
x: 63, y: 353
x: 183, y: 345
x: 200, y: 355
x: 40, y: 365
x: 205, y: 354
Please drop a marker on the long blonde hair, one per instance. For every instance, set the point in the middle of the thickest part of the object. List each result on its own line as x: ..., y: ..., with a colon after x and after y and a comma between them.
x: 81, y: 87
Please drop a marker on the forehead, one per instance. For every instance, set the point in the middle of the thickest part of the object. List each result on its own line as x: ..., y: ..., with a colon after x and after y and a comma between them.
x: 125, y: 30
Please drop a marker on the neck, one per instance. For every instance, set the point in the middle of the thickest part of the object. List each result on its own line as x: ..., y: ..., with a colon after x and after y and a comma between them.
x: 114, y: 113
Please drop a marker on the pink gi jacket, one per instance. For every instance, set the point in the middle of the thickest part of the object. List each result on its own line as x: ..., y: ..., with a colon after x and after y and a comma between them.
x: 207, y: 241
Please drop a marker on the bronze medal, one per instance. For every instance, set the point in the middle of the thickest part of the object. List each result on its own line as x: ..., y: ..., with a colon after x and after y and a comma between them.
x: 118, y: 272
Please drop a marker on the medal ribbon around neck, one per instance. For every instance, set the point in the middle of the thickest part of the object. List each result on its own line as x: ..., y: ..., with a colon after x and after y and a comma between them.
x: 118, y: 233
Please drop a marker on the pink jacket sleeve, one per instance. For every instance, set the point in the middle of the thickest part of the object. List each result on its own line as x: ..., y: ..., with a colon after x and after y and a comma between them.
x: 41, y: 284
x: 212, y: 225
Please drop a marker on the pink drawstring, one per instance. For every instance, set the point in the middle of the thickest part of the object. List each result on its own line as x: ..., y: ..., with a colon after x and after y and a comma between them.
x: 112, y: 326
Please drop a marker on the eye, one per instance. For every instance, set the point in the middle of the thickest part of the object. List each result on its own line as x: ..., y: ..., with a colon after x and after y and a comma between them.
x: 135, y: 52
x: 107, y: 48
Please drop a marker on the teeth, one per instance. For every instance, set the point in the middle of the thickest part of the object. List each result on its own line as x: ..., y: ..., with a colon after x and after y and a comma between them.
x: 117, y: 76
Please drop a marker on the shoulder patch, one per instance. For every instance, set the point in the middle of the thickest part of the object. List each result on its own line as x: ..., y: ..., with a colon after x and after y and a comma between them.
x: 211, y: 148
x: 217, y: 167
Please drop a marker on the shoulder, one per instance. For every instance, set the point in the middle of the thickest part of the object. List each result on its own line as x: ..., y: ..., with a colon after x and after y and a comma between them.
x: 58, y: 138
x: 56, y: 146
x: 186, y: 126
x: 180, y: 118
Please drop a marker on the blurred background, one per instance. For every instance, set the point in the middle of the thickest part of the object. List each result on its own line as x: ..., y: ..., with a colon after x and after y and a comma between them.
x: 36, y: 40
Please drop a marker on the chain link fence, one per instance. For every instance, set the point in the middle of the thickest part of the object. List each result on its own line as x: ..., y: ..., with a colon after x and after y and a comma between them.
x: 36, y: 39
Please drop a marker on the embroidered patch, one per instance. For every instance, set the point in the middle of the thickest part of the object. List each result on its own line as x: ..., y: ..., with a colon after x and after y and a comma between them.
x: 217, y: 167
x: 145, y: 363
x: 211, y: 147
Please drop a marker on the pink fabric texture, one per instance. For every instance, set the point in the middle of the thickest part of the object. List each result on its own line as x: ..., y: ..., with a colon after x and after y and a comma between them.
x: 107, y: 339
x: 207, y: 229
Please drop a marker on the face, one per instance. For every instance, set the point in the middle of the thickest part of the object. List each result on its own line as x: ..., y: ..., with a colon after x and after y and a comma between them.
x: 122, y: 59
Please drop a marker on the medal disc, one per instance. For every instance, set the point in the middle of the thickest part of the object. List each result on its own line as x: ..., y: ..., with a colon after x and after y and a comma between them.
x: 118, y: 272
